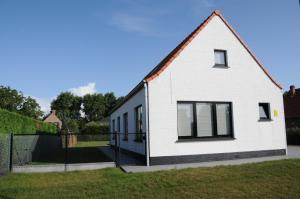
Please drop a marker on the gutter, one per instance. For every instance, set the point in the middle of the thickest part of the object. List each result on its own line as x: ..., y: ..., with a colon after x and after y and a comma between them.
x: 147, y: 147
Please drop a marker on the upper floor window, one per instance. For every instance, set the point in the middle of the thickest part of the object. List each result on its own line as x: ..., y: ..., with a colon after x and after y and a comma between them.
x: 264, y: 111
x: 220, y: 58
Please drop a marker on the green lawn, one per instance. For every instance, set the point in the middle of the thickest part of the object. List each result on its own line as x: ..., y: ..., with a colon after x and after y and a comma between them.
x: 91, y: 143
x: 275, y: 179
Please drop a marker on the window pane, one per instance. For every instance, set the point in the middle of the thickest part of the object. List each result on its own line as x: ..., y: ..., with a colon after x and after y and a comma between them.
x: 139, y: 124
x: 223, y: 119
x: 264, y: 111
x: 204, y: 119
x: 185, y: 119
x: 220, y: 57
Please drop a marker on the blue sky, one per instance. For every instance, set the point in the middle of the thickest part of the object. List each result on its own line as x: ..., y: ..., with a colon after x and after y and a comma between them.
x: 49, y: 46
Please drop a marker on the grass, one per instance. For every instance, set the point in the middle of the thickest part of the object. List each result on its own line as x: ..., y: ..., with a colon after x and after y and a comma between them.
x: 274, y: 179
x: 92, y: 143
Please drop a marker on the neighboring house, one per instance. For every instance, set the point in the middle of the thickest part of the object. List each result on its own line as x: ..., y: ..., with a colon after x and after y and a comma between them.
x: 53, y: 119
x: 209, y: 99
x: 292, y: 107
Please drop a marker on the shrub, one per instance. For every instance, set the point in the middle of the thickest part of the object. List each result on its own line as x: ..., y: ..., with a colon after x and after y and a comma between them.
x: 95, y: 128
x: 293, y: 135
x: 15, y: 123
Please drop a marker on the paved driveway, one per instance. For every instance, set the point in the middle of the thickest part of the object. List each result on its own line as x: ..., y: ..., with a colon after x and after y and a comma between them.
x: 293, y: 151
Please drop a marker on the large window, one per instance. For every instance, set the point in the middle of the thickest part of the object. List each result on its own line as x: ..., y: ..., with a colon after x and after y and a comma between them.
x: 264, y: 111
x: 138, y: 123
x: 125, y: 125
x: 204, y: 119
x: 220, y: 58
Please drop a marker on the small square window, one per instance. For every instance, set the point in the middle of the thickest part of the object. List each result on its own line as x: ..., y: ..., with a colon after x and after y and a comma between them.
x: 264, y: 111
x: 220, y: 58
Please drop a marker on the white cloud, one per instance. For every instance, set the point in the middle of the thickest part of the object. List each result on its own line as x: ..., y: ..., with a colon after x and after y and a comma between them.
x: 44, y: 103
x: 90, y: 88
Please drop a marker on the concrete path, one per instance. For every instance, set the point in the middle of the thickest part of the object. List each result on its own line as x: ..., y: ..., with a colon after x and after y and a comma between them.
x: 293, y: 152
x: 61, y: 167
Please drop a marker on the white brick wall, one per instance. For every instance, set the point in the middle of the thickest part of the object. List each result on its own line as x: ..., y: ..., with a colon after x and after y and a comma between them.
x: 191, y: 77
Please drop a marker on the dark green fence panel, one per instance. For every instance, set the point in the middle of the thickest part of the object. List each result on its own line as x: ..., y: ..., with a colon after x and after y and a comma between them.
x: 4, y: 153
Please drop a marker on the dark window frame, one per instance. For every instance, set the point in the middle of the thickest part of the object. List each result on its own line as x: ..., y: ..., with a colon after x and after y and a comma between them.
x: 125, y: 126
x: 138, y: 135
x: 215, y: 135
x: 268, y: 112
x: 225, y: 58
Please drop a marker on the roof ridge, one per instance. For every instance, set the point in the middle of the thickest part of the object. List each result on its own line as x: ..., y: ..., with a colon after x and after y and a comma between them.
x: 159, y: 68
x: 179, y: 48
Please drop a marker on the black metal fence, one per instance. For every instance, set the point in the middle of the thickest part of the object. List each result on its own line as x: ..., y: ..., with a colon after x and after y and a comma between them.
x: 45, y: 149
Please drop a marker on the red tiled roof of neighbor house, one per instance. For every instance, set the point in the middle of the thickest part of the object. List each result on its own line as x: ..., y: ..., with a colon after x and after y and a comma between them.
x: 176, y: 51
x: 292, y: 104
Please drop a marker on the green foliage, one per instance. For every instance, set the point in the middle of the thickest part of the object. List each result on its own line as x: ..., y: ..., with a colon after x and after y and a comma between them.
x: 95, y: 128
x: 13, y: 100
x: 93, y: 107
x: 67, y: 105
x: 70, y: 125
x: 15, y: 123
x: 293, y: 135
x: 31, y: 108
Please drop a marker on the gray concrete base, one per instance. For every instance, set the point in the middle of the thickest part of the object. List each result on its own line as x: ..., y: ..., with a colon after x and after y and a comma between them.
x: 137, y: 169
x: 292, y: 152
x: 62, y: 167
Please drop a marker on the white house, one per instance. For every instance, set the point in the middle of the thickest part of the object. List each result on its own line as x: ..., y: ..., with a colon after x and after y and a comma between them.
x: 209, y: 99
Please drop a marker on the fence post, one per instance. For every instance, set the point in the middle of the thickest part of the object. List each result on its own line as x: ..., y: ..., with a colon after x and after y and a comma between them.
x: 116, y: 142
x: 119, y: 147
x: 66, y: 151
x: 11, y: 152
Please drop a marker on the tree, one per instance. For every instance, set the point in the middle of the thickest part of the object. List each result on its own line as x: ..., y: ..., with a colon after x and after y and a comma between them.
x: 10, y: 99
x: 94, y: 107
x: 13, y: 100
x: 110, y: 102
x: 31, y: 108
x: 67, y: 106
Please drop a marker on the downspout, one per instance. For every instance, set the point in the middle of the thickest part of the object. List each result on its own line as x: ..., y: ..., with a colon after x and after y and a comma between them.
x: 147, y: 148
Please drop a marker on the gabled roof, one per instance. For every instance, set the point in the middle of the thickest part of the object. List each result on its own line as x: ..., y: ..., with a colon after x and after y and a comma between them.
x: 176, y: 51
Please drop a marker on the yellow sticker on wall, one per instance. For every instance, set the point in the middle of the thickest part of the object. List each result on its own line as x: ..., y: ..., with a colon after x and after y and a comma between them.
x: 276, y: 113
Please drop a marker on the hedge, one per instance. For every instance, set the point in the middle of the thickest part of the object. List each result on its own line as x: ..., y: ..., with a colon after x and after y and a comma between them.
x: 293, y: 136
x: 15, y: 123
x: 95, y: 128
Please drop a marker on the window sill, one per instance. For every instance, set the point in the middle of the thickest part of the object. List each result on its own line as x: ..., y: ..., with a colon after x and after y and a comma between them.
x: 205, y: 139
x: 265, y: 120
x: 221, y: 66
